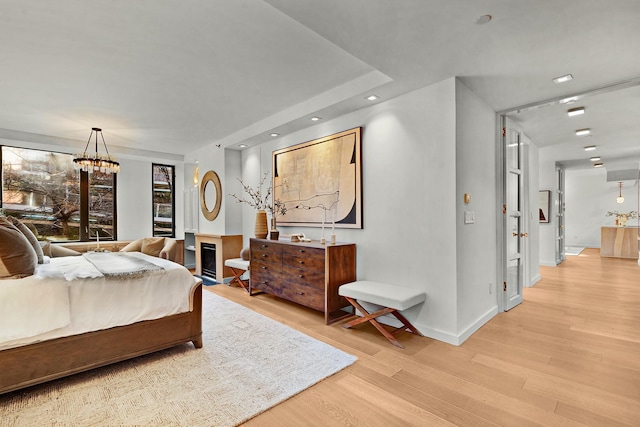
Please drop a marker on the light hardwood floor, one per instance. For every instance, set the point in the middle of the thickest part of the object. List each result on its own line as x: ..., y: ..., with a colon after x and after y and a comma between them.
x: 568, y: 355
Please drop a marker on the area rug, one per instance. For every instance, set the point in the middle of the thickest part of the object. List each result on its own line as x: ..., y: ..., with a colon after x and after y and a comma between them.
x: 248, y: 364
x: 573, y: 250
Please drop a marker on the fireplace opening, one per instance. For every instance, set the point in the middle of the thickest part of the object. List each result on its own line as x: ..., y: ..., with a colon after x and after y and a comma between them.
x: 208, y: 259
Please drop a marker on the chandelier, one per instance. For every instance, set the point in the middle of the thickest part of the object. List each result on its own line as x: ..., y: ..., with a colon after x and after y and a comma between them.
x: 97, y: 162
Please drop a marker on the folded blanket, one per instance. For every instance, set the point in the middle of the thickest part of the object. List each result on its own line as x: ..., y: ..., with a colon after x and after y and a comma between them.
x: 120, y: 264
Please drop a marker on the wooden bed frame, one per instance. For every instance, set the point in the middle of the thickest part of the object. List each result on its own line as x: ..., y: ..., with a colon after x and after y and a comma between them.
x: 48, y: 360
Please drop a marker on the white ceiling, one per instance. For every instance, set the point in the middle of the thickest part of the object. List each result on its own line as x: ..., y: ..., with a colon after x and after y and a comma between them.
x: 175, y: 76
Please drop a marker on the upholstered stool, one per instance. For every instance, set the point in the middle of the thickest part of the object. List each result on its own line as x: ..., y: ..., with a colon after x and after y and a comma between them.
x: 391, y: 297
x: 239, y: 266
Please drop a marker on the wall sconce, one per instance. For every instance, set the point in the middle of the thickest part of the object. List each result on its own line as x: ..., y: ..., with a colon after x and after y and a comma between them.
x: 620, y: 199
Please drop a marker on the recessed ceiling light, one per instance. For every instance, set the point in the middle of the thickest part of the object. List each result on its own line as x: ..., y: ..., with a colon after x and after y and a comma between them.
x: 589, y: 148
x: 481, y: 20
x: 315, y: 118
x: 569, y: 100
x: 583, y: 132
x: 575, y: 111
x: 274, y: 134
x: 242, y: 145
x: 372, y: 97
x: 598, y: 165
x: 563, y: 79
x: 595, y: 159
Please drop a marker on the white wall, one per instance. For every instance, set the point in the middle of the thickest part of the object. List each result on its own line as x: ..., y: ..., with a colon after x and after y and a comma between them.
x: 476, y: 244
x: 588, y: 199
x: 411, y: 165
x: 547, y: 240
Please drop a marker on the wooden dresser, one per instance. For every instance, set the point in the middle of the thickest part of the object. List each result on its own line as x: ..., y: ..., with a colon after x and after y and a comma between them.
x: 307, y: 273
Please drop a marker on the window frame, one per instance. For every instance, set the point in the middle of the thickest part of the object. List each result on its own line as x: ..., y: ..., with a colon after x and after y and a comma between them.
x: 173, y: 199
x: 84, y: 198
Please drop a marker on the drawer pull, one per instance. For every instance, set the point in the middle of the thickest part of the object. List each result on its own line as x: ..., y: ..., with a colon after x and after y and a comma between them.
x: 300, y: 276
x: 264, y: 255
x: 300, y: 250
x: 300, y: 293
x: 264, y: 282
x: 264, y: 246
x: 263, y: 267
x: 301, y: 262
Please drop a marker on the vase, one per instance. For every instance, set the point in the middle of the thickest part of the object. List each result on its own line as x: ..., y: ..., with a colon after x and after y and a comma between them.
x: 261, y: 229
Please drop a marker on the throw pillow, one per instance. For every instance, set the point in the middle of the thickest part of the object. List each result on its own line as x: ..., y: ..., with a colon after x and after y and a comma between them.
x: 33, y: 240
x: 245, y: 254
x: 58, y: 251
x: 152, y: 245
x: 17, y: 256
x: 46, y: 248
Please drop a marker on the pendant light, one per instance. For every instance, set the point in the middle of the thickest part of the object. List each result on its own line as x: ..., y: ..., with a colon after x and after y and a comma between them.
x: 97, y: 162
x: 620, y: 199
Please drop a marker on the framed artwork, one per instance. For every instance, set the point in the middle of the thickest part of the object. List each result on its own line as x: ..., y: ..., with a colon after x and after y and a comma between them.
x: 320, y: 181
x: 544, y: 200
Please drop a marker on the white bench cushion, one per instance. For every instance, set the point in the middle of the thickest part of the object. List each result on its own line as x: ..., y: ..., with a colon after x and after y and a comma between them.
x: 386, y: 295
x: 238, y: 263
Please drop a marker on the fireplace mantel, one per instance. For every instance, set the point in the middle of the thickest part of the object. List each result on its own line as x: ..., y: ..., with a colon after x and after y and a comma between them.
x: 227, y: 246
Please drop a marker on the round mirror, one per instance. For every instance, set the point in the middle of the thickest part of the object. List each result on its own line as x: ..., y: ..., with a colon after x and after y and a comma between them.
x: 210, y: 195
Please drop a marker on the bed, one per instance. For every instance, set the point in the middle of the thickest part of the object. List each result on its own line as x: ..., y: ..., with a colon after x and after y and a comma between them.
x: 86, y: 319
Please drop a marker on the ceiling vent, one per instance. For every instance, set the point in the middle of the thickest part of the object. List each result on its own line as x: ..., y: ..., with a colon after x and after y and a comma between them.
x: 626, y: 175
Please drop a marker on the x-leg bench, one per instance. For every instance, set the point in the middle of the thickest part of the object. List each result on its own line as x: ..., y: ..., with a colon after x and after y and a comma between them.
x: 239, y: 267
x: 392, y: 298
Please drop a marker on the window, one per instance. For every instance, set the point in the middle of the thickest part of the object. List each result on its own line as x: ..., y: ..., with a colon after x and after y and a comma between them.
x: 163, y: 200
x: 57, y: 202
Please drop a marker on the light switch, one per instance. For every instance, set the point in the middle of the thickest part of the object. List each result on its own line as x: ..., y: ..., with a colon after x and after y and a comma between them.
x: 469, y: 217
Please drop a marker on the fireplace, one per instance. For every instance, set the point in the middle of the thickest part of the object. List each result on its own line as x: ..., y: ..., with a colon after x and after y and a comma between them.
x: 226, y: 247
x: 208, y: 255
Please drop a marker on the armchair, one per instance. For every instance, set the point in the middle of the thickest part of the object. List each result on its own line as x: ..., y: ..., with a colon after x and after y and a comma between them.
x: 162, y: 247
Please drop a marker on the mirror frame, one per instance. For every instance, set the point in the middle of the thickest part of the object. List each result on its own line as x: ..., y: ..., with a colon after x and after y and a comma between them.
x: 212, y: 177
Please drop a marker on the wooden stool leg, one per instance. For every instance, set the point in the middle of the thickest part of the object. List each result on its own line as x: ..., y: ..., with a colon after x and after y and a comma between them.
x: 236, y: 278
x: 406, y: 323
x: 371, y: 318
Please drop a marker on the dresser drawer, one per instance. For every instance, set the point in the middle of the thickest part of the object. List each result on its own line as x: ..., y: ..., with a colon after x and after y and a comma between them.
x: 262, y: 271
x: 303, y: 295
x: 313, y: 278
x: 266, y: 252
x: 303, y: 252
x: 302, y: 261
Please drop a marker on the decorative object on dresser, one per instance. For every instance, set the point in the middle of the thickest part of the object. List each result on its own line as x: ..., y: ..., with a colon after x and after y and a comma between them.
x: 307, y: 273
x: 261, y: 229
x: 262, y: 202
x: 621, y: 218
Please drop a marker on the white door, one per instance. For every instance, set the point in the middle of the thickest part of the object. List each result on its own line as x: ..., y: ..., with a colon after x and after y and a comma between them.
x: 560, y: 255
x: 513, y: 273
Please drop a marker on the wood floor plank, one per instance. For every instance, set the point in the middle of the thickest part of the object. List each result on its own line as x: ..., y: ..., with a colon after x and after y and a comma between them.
x: 566, y: 356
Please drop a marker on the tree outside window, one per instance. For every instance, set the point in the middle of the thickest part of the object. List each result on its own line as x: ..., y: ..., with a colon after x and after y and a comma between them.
x: 163, y: 200
x: 45, y: 192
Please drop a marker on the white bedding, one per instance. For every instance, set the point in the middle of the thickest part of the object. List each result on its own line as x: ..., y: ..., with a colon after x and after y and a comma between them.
x: 47, y: 305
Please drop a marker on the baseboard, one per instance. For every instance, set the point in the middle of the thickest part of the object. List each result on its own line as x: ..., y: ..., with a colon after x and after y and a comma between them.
x: 477, y: 325
x: 548, y: 263
x: 534, y: 280
x: 451, y: 338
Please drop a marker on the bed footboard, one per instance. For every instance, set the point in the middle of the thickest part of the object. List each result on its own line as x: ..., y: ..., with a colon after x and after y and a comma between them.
x: 44, y: 361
